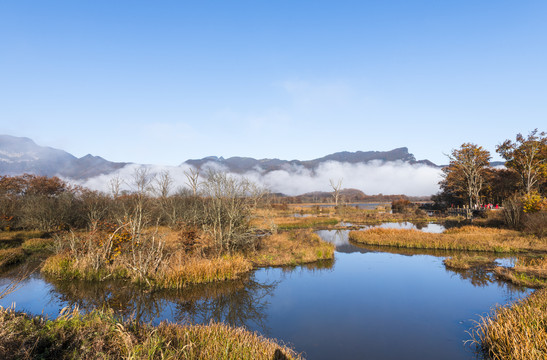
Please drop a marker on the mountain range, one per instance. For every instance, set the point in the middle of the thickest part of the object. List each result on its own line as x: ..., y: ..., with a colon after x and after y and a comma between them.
x: 19, y: 155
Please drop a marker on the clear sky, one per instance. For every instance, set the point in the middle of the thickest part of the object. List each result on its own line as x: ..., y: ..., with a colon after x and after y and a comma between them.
x: 164, y: 81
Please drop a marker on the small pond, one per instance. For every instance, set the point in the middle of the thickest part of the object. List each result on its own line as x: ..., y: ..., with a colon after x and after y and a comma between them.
x: 368, y: 303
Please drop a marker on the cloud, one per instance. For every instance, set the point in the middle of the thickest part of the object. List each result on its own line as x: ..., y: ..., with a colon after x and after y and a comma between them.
x: 371, y: 178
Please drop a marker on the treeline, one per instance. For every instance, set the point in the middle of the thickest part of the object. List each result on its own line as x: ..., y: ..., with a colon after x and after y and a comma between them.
x: 520, y: 187
x: 219, y: 205
x: 346, y: 196
x: 470, y: 181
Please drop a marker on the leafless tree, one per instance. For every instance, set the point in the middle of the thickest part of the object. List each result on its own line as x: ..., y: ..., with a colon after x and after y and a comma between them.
x: 192, y: 176
x: 336, y: 186
x: 227, y: 211
x: 115, y: 184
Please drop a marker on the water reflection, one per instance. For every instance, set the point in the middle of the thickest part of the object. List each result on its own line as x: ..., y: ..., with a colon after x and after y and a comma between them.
x: 239, y: 303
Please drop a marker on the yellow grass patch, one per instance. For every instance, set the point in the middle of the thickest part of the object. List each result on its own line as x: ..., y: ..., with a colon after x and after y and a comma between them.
x: 465, y: 238
x: 292, y: 248
x: 183, y: 270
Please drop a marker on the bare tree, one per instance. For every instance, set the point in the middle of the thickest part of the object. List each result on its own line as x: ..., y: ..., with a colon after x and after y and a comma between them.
x: 192, y: 176
x: 227, y: 211
x: 115, y: 184
x: 336, y: 189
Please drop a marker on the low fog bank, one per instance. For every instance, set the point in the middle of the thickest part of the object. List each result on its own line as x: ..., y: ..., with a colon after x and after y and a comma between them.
x: 372, y: 178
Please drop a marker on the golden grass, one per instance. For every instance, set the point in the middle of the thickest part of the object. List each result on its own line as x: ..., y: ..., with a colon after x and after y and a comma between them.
x: 292, y: 248
x: 470, y: 238
x: 291, y: 222
x: 517, y: 332
x: 37, y: 244
x: 184, y: 271
x: 99, y: 335
x: 180, y: 268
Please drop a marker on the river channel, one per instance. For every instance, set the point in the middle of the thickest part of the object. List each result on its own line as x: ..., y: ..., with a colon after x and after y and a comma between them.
x: 369, y: 303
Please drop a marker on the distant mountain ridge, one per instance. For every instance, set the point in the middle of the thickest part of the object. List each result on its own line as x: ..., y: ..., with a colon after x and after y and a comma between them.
x: 19, y: 155
x: 244, y: 164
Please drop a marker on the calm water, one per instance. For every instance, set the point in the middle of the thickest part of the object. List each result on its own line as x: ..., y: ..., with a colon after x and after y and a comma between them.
x: 366, y: 304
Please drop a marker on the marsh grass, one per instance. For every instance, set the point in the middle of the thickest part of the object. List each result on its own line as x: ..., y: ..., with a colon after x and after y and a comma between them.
x: 516, y: 332
x: 11, y: 256
x: 9, y: 239
x: 529, y: 271
x: 469, y: 238
x: 184, y: 271
x: 99, y: 335
x: 292, y: 248
x: 179, y: 266
x: 465, y: 262
x: 38, y: 245
x: 291, y: 223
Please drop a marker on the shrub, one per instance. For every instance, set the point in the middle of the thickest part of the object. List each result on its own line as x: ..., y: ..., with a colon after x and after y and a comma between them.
x: 512, y: 212
x: 535, y: 223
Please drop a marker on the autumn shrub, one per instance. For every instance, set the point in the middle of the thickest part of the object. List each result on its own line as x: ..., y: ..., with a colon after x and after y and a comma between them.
x: 512, y: 211
x: 400, y: 206
x: 535, y: 223
x: 533, y: 202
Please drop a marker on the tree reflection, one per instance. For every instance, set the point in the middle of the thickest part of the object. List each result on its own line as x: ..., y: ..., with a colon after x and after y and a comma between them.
x: 239, y: 303
x: 238, y: 306
x: 480, y: 276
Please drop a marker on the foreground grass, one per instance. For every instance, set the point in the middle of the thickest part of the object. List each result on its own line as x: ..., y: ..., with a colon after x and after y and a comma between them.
x: 98, y: 335
x: 517, y: 332
x: 470, y: 238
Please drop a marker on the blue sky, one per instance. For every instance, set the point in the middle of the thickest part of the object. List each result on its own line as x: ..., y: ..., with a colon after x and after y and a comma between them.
x: 161, y: 82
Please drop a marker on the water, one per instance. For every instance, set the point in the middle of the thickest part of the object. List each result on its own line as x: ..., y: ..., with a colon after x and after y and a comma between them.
x: 366, y: 304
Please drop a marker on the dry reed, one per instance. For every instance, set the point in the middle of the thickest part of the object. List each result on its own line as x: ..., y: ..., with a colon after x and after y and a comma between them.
x: 517, y: 332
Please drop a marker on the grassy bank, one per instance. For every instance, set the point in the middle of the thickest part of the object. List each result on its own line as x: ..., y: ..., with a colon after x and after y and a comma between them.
x: 98, y: 335
x: 290, y: 223
x: 469, y: 238
x: 170, y: 264
x: 16, y: 246
x: 530, y: 271
x: 515, y: 332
